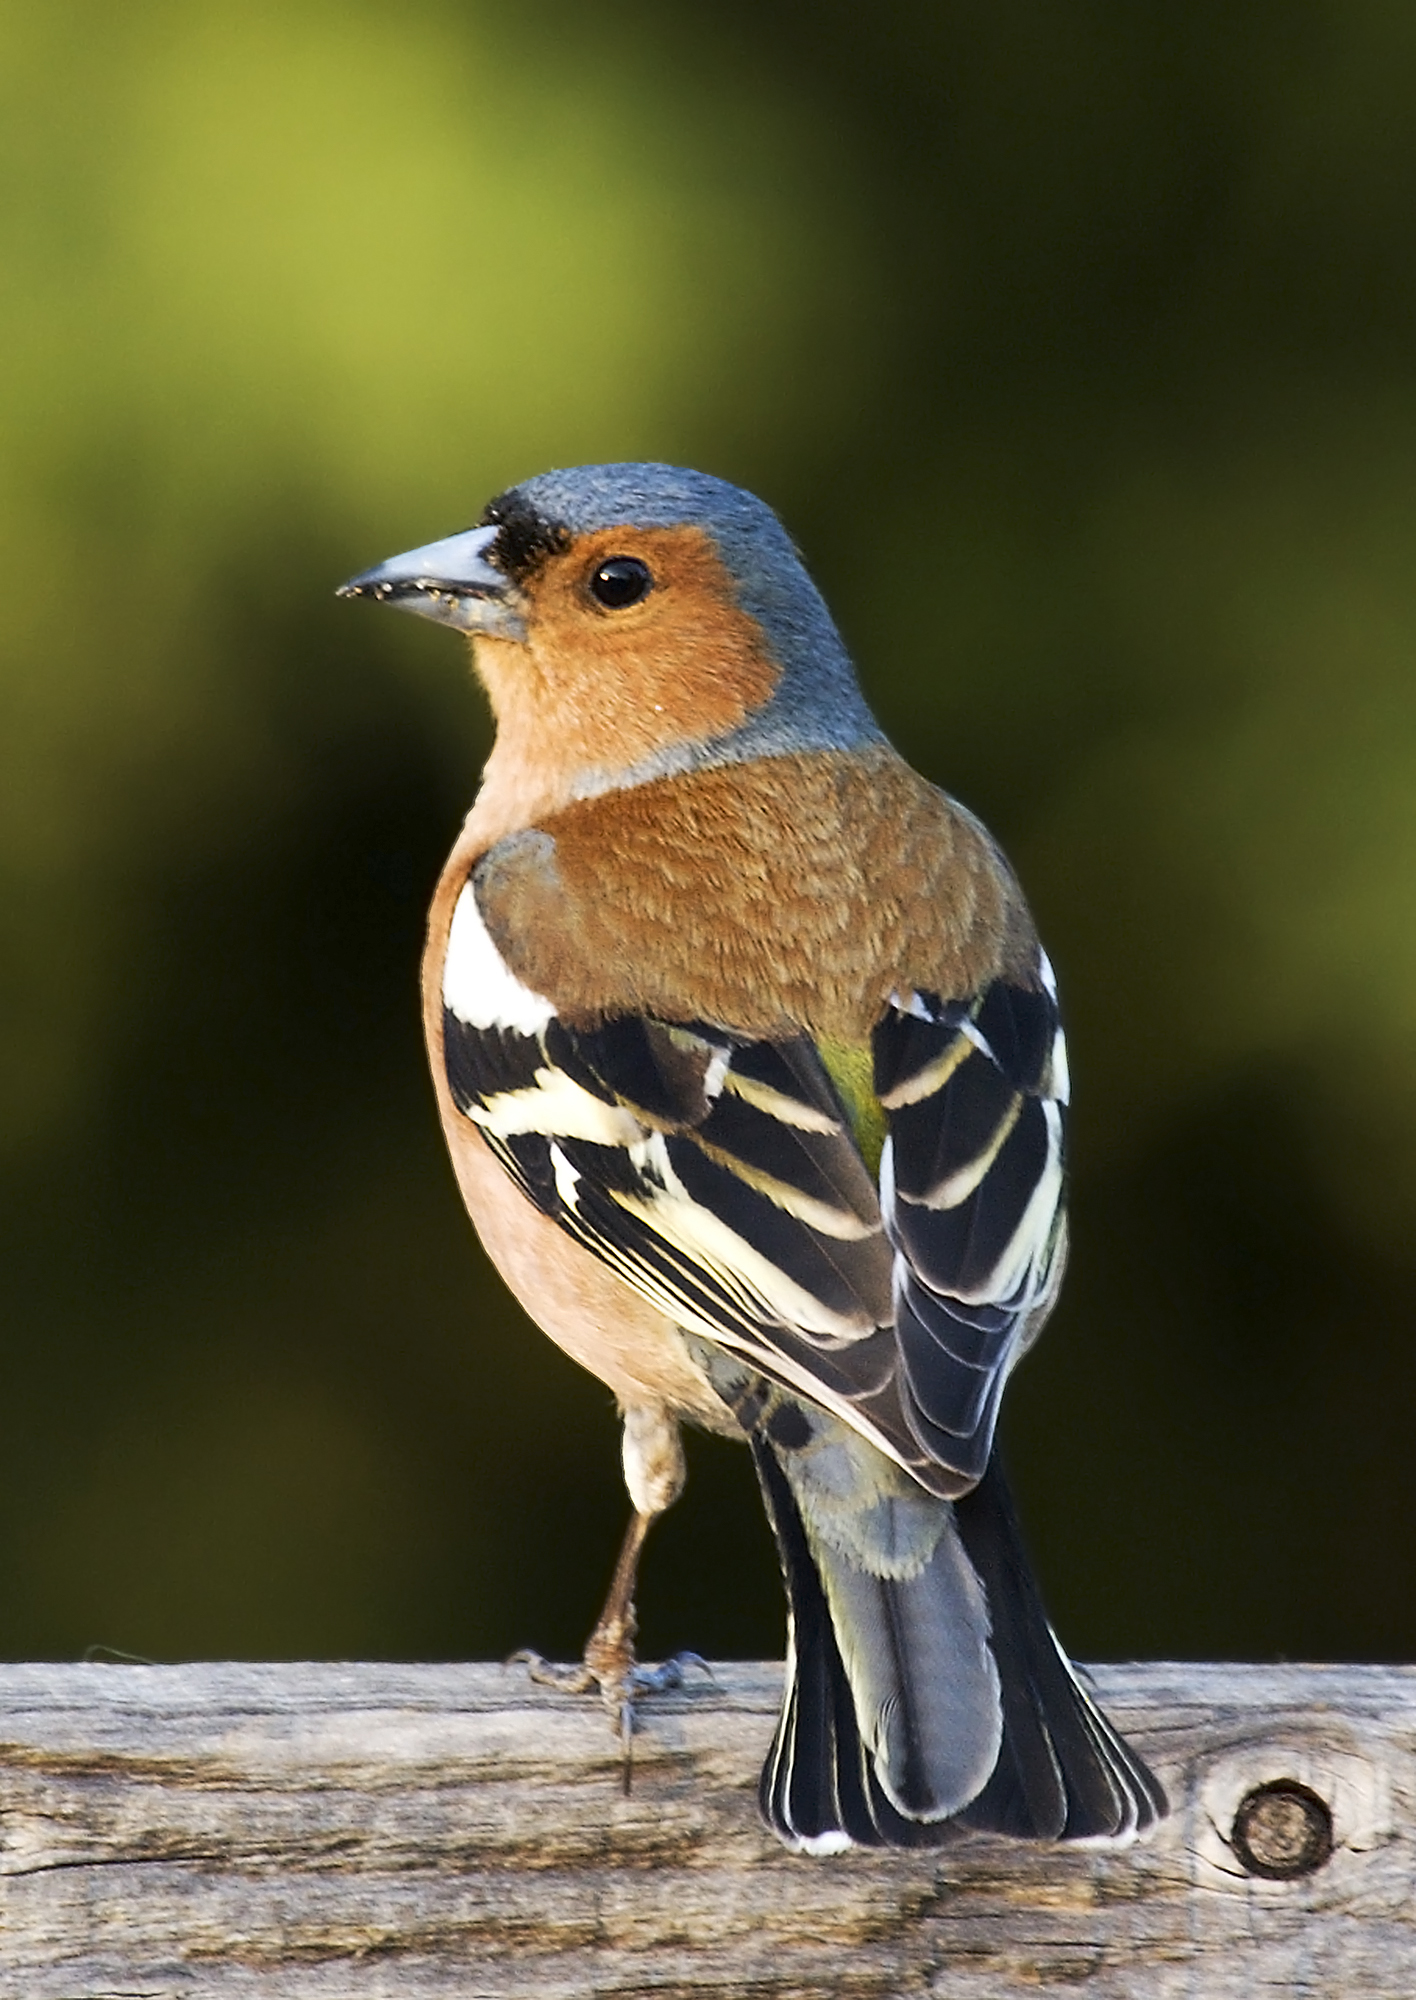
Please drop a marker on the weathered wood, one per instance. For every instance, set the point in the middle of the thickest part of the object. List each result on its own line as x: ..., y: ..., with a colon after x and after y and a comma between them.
x: 344, y: 1832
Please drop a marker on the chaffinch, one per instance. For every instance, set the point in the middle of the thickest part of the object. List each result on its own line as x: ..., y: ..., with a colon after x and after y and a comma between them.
x: 750, y: 1065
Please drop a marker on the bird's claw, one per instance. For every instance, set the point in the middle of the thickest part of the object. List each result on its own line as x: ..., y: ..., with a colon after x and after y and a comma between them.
x: 619, y: 1679
x: 669, y: 1674
x: 578, y: 1679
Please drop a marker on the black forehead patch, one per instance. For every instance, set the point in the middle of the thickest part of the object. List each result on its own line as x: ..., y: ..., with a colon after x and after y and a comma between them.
x: 528, y: 538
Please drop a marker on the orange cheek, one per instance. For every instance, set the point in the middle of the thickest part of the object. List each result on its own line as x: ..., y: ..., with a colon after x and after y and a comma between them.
x: 595, y: 691
x: 685, y: 665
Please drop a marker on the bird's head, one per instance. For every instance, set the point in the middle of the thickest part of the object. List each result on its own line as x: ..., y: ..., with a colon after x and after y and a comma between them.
x: 630, y: 620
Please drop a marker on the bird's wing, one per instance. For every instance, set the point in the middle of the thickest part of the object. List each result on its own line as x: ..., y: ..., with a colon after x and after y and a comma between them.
x: 972, y: 1191
x: 874, y: 1228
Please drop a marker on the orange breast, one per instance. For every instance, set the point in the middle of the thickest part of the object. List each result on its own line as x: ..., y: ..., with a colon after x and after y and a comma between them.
x: 788, y: 893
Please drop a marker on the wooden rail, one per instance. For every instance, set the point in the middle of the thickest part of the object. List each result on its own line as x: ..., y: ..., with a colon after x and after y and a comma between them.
x: 342, y: 1832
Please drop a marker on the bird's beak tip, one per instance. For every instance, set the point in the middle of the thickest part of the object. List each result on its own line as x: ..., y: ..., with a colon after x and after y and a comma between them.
x: 450, y: 582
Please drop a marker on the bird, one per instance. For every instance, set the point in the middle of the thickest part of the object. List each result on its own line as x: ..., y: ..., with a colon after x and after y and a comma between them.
x: 752, y: 1073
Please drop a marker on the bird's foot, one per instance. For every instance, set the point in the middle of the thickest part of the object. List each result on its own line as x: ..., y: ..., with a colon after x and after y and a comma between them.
x: 611, y: 1670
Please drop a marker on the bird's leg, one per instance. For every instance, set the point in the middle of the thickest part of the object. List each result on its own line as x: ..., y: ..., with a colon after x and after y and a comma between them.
x: 608, y: 1661
x: 609, y: 1651
x: 654, y: 1473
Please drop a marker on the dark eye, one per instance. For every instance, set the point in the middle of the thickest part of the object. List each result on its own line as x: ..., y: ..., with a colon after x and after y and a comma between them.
x: 620, y: 581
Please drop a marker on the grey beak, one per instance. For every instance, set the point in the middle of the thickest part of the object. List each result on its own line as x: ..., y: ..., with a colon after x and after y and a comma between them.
x: 450, y: 582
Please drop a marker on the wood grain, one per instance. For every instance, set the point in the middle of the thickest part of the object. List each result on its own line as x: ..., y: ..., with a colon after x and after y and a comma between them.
x: 326, y: 1832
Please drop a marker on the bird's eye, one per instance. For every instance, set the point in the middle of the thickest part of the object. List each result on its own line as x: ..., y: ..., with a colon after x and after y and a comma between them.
x: 621, y: 581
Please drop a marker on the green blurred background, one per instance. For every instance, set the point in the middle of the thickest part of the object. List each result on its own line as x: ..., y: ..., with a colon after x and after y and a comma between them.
x: 1075, y: 344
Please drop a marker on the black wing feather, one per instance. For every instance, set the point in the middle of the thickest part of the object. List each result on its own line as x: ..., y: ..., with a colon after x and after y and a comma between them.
x: 973, y: 1192
x: 721, y: 1176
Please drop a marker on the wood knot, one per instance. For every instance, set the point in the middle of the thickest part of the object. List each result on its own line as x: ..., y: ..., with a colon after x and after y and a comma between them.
x: 1282, y: 1830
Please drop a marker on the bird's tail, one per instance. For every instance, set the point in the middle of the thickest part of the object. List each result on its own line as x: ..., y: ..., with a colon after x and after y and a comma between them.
x: 883, y: 1751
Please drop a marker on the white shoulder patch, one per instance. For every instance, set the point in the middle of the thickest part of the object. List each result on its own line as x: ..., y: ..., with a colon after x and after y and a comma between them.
x: 477, y: 984
x: 1060, y: 1080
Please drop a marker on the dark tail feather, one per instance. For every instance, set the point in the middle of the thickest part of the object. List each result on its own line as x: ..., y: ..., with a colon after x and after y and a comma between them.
x: 1062, y: 1772
x: 818, y: 1791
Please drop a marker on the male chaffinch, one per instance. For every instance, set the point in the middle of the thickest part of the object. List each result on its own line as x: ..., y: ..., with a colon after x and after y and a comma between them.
x: 750, y: 1065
